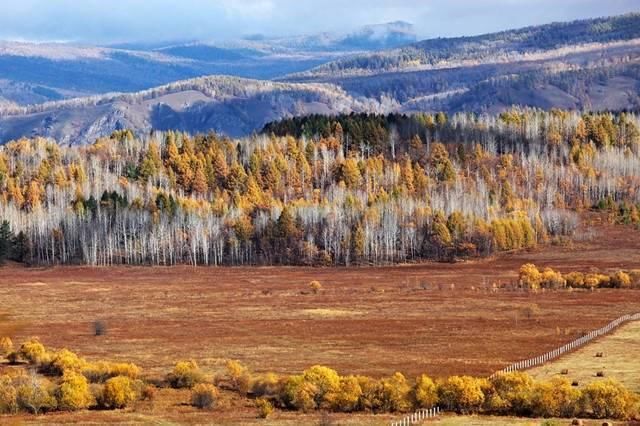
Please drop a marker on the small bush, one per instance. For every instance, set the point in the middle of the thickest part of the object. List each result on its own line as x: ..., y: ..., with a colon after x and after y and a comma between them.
x: 511, y: 393
x: 564, y: 371
x: 6, y: 346
x: 348, y: 396
x: 63, y: 361
x: 264, y: 407
x: 185, y: 374
x: 575, y: 279
x: 238, y: 376
x: 462, y: 394
x: 620, y: 280
x: 607, y: 399
x: 34, y: 352
x: 315, y: 286
x: 395, y: 393
x: 204, y: 396
x: 267, y: 385
x: 149, y: 393
x: 8, y: 396
x: 300, y: 394
x: 425, y: 392
x: 74, y: 393
x: 34, y: 395
x: 101, y: 371
x: 529, y: 276
x: 118, y: 392
x: 552, y: 279
x: 555, y: 398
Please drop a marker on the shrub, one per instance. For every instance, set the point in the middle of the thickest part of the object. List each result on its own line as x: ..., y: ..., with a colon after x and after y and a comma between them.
x: 204, y: 395
x: 425, y: 392
x: 371, y: 393
x: 148, y: 393
x: 315, y: 286
x: 6, y: 346
x: 607, y: 399
x: 185, y: 374
x: 74, y: 393
x: 101, y: 371
x: 8, y: 396
x: 575, y: 279
x: 33, y: 395
x: 267, y: 385
x: 530, y: 277
x: 62, y: 361
x: 300, y: 394
x: 264, y: 407
x: 395, y: 393
x: 620, y: 280
x: 556, y: 398
x: 34, y: 352
x: 596, y: 280
x: 552, y: 279
x: 462, y: 393
x: 238, y: 376
x: 348, y: 395
x: 118, y: 392
x: 512, y: 393
x: 326, y: 381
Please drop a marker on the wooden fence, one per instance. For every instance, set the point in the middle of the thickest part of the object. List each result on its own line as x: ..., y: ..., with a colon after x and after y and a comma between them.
x: 424, y: 414
x: 539, y: 360
x: 417, y: 417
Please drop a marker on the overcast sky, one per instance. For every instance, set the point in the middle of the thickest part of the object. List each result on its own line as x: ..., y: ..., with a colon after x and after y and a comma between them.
x: 110, y: 21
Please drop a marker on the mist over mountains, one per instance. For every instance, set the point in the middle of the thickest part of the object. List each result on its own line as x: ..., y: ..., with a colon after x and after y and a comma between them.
x: 584, y: 65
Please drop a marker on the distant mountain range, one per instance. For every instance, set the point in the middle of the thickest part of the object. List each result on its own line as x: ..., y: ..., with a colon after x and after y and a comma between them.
x: 34, y: 73
x: 229, y: 105
x: 588, y: 64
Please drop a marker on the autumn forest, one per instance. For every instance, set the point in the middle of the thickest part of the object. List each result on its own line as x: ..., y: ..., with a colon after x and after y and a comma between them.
x: 344, y: 190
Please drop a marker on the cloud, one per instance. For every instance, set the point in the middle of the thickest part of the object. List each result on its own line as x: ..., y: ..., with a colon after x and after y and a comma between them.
x: 103, y: 21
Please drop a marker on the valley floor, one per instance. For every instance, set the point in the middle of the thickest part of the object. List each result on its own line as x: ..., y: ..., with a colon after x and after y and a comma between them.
x: 433, y: 318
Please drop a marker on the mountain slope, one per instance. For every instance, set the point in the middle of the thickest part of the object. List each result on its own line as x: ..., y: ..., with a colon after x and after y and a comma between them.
x: 496, y: 47
x: 40, y: 72
x: 228, y: 105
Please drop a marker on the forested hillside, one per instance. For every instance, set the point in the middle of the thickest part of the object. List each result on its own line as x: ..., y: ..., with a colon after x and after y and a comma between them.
x: 353, y: 189
x: 495, y: 47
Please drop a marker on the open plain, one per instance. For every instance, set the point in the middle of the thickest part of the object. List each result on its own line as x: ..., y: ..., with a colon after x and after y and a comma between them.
x: 434, y: 318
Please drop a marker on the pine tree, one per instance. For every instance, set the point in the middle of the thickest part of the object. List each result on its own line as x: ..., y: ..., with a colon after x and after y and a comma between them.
x: 6, y: 238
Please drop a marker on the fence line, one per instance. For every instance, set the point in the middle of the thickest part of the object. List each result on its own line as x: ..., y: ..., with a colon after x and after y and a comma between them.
x: 539, y: 360
x: 425, y: 414
x: 417, y: 417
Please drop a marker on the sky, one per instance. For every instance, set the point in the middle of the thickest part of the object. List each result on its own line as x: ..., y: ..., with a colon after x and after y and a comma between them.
x: 118, y: 21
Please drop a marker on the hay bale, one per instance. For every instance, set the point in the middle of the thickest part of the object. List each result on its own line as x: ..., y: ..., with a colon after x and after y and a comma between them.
x: 600, y: 374
x: 564, y: 371
x: 599, y: 355
x: 577, y: 422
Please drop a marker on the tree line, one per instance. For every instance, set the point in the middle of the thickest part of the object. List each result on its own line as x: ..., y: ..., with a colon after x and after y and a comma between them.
x: 352, y: 189
x: 62, y: 380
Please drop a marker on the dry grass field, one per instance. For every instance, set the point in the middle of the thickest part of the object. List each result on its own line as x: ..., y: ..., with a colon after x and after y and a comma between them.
x: 433, y: 318
x: 620, y: 360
